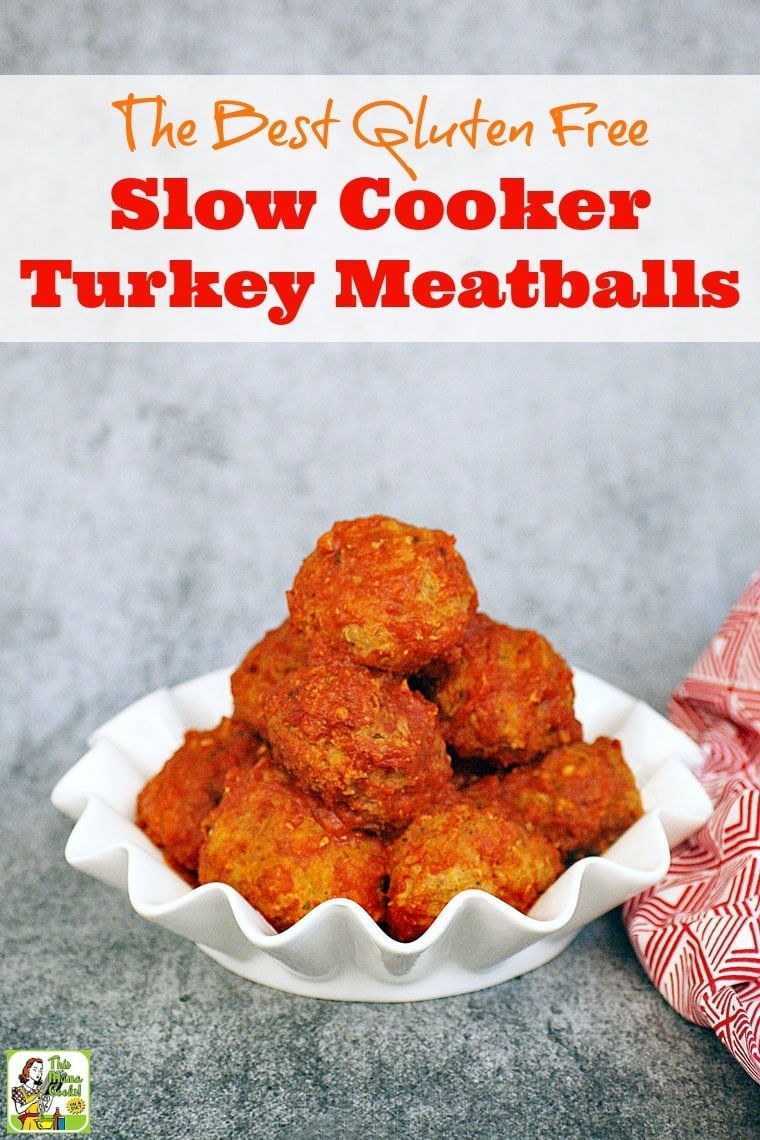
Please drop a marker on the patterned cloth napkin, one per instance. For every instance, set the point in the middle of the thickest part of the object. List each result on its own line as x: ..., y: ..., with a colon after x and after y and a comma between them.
x: 697, y: 933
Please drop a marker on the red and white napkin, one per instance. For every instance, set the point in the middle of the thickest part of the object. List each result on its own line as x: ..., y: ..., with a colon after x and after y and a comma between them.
x: 697, y: 933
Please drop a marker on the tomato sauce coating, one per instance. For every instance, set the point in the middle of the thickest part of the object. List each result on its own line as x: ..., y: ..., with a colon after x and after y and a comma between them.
x: 508, y: 698
x: 285, y: 853
x: 360, y: 739
x: 456, y: 846
x: 173, y: 804
x: 581, y: 796
x: 279, y: 652
x: 386, y: 594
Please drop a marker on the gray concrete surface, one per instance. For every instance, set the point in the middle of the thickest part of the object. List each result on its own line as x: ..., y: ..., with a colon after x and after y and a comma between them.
x: 156, y: 503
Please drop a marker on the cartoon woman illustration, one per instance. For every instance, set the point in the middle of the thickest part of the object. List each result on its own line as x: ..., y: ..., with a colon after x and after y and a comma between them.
x: 31, y: 1096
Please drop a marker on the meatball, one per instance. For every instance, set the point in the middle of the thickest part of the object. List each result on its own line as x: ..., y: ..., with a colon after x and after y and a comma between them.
x: 279, y: 652
x: 582, y: 796
x: 360, y: 739
x: 459, y: 845
x: 508, y: 698
x: 285, y: 852
x: 390, y: 595
x: 174, y: 803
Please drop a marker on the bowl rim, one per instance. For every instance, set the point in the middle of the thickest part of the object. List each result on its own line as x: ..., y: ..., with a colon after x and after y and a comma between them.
x: 99, y: 793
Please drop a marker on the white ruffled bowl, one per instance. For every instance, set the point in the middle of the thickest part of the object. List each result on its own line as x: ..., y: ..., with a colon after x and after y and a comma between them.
x: 337, y: 951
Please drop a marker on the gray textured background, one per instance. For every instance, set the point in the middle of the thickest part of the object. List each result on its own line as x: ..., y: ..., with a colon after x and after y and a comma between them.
x: 156, y: 503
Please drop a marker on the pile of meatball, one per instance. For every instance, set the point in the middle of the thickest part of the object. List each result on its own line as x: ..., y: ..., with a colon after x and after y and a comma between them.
x: 390, y: 744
